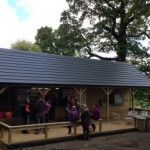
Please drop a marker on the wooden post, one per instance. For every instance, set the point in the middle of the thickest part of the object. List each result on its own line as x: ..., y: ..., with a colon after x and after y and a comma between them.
x: 9, y: 136
x: 134, y: 122
x: 100, y: 125
x: 46, y: 132
x: 133, y: 92
x: 2, y: 132
x: 108, y: 92
x: 75, y: 128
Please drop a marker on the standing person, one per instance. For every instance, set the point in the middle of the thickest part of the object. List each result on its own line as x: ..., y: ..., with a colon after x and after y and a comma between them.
x: 67, y: 112
x: 78, y: 108
x: 25, y: 113
x: 72, y: 102
x: 81, y: 109
x: 85, y: 121
x: 39, y: 111
x: 47, y: 110
x: 67, y: 116
x: 73, y: 116
x: 95, y: 115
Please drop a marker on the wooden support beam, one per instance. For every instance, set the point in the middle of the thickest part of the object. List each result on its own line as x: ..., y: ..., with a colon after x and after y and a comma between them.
x: 108, y: 92
x: 3, y: 89
x: 133, y: 92
x: 80, y: 92
x: 40, y: 92
x: 44, y: 92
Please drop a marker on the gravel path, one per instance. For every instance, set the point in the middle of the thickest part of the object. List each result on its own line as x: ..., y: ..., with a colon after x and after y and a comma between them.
x: 125, y: 141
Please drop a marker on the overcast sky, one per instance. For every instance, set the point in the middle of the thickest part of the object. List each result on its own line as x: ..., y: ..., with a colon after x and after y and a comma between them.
x: 20, y: 19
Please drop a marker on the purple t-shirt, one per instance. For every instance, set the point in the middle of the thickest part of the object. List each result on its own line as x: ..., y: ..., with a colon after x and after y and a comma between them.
x: 47, y: 107
x: 96, y: 113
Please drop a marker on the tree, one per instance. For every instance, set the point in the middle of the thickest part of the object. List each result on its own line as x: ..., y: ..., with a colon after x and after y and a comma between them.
x: 63, y: 41
x: 110, y: 25
x: 68, y: 41
x: 142, y: 64
x: 45, y: 39
x: 25, y: 45
x: 142, y: 99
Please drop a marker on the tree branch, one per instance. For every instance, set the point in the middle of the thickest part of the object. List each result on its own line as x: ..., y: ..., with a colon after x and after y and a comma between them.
x: 110, y: 5
x: 131, y: 19
x: 100, y: 57
x: 89, y: 51
x: 140, y: 34
x: 110, y: 30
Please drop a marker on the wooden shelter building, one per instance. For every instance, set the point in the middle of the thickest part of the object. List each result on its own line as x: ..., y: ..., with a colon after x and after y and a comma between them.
x: 30, y: 74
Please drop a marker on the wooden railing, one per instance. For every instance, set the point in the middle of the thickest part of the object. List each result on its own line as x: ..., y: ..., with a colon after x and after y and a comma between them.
x: 44, y: 126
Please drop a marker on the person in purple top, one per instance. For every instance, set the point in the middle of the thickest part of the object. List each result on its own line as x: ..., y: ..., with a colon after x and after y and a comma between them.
x: 95, y: 115
x: 47, y: 108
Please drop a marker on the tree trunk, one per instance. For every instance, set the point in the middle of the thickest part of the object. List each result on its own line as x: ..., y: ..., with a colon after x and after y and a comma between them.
x: 122, y: 50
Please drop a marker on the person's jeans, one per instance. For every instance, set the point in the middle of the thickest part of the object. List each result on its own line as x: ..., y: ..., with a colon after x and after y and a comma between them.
x: 40, y: 118
x: 86, y: 132
x: 25, y: 122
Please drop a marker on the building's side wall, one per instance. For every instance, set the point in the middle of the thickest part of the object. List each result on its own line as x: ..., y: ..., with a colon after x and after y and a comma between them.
x: 94, y: 94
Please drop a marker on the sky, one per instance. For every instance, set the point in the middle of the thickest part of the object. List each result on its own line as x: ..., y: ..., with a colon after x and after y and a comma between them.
x: 20, y: 19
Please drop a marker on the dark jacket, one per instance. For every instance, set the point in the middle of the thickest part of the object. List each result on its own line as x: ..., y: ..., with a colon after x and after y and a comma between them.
x: 67, y: 113
x: 85, y: 118
x: 40, y: 107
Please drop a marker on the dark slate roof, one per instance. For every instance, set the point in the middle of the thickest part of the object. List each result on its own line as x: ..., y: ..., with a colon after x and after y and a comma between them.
x: 22, y: 67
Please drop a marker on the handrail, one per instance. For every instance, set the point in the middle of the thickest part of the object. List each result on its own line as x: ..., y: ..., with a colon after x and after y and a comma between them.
x: 35, y: 126
x: 45, y: 126
x: 4, y: 125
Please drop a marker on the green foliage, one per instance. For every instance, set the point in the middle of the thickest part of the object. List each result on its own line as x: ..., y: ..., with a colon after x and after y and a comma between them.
x: 45, y: 39
x: 142, y: 63
x: 63, y: 41
x: 142, y: 99
x: 25, y: 45
x: 110, y: 25
x: 68, y: 42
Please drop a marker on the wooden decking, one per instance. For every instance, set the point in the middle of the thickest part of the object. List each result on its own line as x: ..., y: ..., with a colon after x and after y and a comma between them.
x: 60, y: 131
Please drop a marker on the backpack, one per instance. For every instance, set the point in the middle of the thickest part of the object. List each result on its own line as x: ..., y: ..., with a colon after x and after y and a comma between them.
x: 74, y: 115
